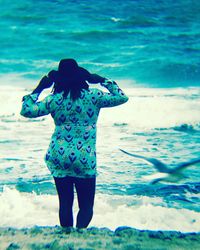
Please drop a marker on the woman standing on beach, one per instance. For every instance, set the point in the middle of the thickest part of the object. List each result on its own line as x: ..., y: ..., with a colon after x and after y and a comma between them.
x: 71, y: 156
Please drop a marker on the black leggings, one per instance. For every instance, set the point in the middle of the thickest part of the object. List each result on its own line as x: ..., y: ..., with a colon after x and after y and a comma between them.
x: 85, y: 188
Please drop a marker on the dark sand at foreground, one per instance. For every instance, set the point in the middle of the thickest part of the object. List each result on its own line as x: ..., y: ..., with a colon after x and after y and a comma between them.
x: 125, y: 238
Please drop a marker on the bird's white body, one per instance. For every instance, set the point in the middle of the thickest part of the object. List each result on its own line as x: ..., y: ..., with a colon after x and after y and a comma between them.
x: 164, y: 177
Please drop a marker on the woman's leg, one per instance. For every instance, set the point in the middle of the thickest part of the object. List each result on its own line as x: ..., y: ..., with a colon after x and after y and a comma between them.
x: 85, y: 189
x: 65, y: 190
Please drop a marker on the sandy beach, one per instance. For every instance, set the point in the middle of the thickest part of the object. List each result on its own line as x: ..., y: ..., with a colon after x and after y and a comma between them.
x: 125, y: 238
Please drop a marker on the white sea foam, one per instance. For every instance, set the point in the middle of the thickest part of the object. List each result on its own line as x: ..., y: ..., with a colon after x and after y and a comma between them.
x: 28, y: 209
x: 146, y: 108
x: 155, y: 108
x: 14, y: 81
x: 115, y: 19
x: 144, y: 216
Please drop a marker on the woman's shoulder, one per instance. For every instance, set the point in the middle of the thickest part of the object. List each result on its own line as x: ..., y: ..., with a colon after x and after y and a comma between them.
x: 95, y: 91
x: 55, y: 97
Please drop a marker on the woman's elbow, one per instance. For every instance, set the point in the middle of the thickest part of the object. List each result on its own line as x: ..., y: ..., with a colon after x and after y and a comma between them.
x: 26, y: 113
x: 125, y: 99
x: 122, y: 100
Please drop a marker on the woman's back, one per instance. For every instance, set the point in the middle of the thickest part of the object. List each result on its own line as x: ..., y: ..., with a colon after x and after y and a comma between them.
x: 72, y: 146
x: 72, y: 150
x: 81, y: 112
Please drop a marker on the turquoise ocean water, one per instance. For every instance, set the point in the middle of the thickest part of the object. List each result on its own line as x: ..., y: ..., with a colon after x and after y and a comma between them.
x: 153, y: 42
x: 152, y: 49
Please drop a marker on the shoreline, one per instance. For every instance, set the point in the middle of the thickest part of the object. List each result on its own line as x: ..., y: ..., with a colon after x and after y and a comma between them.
x: 93, y: 238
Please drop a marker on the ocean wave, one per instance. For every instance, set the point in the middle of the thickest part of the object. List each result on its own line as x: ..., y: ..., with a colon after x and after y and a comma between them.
x: 176, y: 196
x: 160, y: 72
x: 104, y: 65
x: 188, y: 128
x: 7, y: 116
x: 138, y: 21
x: 10, y: 141
x: 101, y: 34
x: 42, y: 210
x: 11, y: 158
x: 167, y: 108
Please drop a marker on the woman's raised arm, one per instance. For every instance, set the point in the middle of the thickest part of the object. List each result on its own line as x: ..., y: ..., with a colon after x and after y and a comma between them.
x: 115, y: 97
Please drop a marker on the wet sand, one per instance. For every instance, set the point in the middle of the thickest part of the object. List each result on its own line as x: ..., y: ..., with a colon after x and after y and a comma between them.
x: 38, y: 238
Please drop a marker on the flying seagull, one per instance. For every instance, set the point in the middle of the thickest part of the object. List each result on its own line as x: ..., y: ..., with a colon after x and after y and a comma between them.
x: 165, y: 173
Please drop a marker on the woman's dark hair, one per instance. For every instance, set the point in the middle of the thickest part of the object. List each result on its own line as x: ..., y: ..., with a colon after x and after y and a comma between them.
x: 69, y: 78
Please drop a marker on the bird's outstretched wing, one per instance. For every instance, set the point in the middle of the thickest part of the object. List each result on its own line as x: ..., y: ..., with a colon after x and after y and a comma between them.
x: 161, y: 167
x: 183, y: 165
x: 156, y: 181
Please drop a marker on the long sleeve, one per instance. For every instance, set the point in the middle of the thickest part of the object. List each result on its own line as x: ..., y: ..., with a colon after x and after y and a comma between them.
x: 31, y: 108
x: 115, y: 96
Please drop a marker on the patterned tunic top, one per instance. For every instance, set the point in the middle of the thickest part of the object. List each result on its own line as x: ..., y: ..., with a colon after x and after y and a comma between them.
x: 72, y: 150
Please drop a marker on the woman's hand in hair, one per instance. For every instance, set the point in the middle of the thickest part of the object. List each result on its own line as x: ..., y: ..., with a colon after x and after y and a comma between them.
x: 94, y: 78
x: 53, y: 75
x: 44, y: 83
